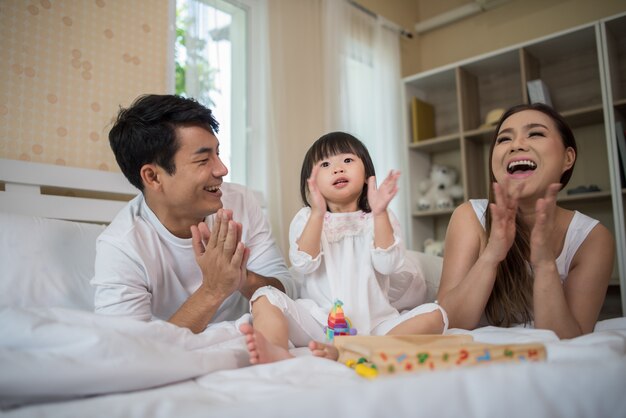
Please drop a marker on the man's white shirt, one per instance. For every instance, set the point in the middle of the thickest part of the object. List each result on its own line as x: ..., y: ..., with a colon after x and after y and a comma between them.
x: 143, y: 271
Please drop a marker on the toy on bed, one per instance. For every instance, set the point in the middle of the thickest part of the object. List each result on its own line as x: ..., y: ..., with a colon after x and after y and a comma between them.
x: 363, y: 368
x: 338, y: 323
x: 374, y: 355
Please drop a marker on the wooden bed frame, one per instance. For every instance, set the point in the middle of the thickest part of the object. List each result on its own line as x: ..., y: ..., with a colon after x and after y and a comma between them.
x: 59, y: 192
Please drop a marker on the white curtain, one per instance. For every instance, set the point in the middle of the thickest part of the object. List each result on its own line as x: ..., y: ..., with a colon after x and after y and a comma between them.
x: 263, y: 172
x: 361, y: 57
x: 290, y: 101
x: 317, y: 66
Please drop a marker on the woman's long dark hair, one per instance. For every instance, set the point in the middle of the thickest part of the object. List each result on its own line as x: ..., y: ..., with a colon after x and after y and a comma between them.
x: 511, y: 299
x: 331, y: 144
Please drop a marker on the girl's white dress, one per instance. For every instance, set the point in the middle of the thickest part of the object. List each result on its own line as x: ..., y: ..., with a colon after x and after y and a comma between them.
x: 348, y: 268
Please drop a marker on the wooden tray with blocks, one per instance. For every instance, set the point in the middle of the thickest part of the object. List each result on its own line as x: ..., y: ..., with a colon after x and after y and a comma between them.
x: 414, y: 353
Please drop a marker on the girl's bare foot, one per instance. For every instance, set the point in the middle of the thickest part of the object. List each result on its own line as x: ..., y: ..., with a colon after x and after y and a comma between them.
x: 262, y: 351
x: 324, y: 350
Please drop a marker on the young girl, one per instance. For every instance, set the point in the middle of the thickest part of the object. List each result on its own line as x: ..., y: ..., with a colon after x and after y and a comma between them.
x: 519, y: 258
x: 345, y: 244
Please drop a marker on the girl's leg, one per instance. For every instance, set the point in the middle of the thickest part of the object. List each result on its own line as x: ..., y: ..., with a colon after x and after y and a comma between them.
x: 267, y: 341
x: 429, y: 318
x: 427, y: 323
x: 278, y: 320
x: 271, y: 322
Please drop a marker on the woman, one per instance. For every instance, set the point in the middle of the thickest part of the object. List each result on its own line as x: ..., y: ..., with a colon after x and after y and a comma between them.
x: 526, y: 260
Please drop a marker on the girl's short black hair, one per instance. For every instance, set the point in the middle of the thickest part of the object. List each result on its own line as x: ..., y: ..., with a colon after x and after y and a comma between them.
x: 331, y: 144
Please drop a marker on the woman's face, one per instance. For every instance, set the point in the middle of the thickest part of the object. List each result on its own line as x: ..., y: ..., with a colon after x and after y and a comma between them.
x: 529, y: 149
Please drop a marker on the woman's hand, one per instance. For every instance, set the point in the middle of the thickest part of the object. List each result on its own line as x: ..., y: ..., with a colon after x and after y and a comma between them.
x: 541, y: 251
x: 379, y: 197
x: 503, y: 213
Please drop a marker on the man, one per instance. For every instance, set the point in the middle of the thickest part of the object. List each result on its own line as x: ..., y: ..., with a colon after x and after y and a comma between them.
x: 157, y: 259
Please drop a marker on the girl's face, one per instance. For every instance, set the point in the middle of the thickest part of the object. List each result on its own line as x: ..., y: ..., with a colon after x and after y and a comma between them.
x: 340, y: 180
x: 529, y: 149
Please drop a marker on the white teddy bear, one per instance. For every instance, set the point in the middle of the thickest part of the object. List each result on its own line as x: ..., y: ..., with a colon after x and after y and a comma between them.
x: 433, y: 247
x: 440, y: 190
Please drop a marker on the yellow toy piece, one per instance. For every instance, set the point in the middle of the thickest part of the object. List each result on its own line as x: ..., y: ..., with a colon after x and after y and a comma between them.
x: 366, y: 371
x: 362, y: 367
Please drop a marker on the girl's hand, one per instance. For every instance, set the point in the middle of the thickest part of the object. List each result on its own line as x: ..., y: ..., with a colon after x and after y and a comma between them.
x: 503, y: 213
x: 379, y: 197
x: 545, y: 212
x: 316, y: 200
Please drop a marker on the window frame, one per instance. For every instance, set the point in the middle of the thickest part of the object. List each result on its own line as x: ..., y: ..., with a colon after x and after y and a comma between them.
x: 241, y: 57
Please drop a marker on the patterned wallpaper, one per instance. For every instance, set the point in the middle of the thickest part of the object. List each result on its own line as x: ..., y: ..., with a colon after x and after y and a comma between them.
x: 66, y: 66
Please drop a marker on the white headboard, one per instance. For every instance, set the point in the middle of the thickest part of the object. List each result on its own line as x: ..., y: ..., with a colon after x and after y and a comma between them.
x: 53, y: 191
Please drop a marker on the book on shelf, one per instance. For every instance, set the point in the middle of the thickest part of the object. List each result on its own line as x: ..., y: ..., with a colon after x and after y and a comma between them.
x: 621, y: 150
x: 538, y: 92
x: 422, y: 120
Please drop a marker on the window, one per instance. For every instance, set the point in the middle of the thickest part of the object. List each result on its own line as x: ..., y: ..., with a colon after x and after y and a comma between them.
x: 211, y: 66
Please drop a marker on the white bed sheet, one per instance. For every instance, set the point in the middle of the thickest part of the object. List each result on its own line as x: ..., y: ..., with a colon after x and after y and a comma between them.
x: 74, y: 363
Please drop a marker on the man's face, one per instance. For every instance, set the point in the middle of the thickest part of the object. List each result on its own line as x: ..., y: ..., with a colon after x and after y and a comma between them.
x: 193, y: 191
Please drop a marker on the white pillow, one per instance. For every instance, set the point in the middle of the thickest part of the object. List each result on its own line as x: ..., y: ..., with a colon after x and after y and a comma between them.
x: 46, y: 262
x: 431, y: 266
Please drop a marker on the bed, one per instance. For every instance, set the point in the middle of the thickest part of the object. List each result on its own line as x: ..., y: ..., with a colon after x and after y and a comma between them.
x: 58, y: 359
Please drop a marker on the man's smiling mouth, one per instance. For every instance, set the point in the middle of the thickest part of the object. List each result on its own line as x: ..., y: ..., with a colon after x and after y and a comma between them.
x: 212, y: 189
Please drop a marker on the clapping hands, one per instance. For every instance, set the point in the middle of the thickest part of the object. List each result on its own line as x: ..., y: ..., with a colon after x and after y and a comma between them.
x: 317, y: 201
x: 379, y: 197
x: 221, y: 255
x: 541, y: 250
x: 503, y: 228
x: 503, y: 213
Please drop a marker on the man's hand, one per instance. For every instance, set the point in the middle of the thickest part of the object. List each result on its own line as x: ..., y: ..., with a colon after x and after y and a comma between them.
x: 221, y: 255
x: 222, y: 258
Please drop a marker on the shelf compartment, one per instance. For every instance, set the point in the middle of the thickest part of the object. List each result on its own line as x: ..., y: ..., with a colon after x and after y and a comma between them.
x: 438, y: 90
x: 587, y: 197
x: 568, y: 64
x: 439, y: 144
x: 489, y: 84
x: 620, y: 108
x: 433, y: 212
x: 616, y: 45
x: 584, y: 116
x: 482, y: 135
